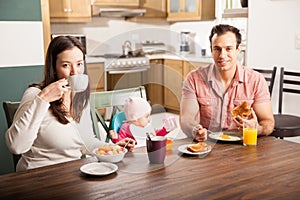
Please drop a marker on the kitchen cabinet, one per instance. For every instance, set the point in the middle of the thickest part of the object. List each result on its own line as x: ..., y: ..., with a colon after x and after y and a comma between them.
x: 190, y: 10
x: 175, y: 72
x: 46, y: 24
x: 116, y: 2
x: 70, y: 10
x: 235, y: 13
x: 189, y: 66
x: 154, y: 8
x: 96, y: 76
x: 153, y: 82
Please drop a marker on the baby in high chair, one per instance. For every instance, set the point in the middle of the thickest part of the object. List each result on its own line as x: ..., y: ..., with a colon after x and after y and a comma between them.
x: 137, y: 111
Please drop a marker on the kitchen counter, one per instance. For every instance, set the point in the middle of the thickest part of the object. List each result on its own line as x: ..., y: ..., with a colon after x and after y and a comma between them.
x: 189, y: 57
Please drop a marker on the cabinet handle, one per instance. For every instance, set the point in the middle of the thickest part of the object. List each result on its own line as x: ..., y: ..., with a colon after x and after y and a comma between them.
x: 68, y: 10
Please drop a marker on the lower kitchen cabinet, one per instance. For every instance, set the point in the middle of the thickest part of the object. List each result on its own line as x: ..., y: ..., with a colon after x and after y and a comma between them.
x: 175, y: 72
x: 153, y: 82
x: 96, y: 76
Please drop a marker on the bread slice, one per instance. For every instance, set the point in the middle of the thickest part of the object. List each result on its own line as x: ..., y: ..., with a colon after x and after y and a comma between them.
x: 199, y: 147
x: 242, y: 110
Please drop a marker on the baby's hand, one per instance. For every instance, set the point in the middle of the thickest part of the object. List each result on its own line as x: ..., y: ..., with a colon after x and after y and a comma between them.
x: 113, y: 134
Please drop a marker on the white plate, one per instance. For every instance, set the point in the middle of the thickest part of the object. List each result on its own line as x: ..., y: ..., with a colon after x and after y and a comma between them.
x: 183, y: 149
x: 217, y: 136
x: 99, y: 168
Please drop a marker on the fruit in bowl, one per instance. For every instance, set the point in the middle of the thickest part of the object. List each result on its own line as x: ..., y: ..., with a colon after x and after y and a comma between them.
x: 110, y: 153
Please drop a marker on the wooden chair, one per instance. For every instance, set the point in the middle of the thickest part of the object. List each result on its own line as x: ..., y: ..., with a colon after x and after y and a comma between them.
x: 287, y: 125
x: 10, y: 109
x: 269, y: 75
x: 114, y: 99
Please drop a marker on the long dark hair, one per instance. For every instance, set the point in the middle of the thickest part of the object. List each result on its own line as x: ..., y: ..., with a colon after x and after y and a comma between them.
x: 222, y: 29
x: 80, y: 100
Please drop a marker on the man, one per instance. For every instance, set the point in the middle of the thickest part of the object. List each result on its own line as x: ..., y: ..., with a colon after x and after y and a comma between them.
x: 210, y: 93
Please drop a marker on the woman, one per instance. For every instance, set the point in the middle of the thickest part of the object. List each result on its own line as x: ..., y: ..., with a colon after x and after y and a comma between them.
x: 53, y: 124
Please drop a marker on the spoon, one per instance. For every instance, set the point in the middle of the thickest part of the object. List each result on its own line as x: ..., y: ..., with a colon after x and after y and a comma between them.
x: 126, y: 144
x: 148, y: 136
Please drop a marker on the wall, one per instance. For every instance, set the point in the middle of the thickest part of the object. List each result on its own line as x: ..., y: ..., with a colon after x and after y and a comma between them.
x: 272, y: 28
x: 106, y: 35
x: 21, y: 58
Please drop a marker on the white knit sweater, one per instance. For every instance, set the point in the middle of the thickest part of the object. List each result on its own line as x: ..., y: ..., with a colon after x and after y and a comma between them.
x: 42, y: 140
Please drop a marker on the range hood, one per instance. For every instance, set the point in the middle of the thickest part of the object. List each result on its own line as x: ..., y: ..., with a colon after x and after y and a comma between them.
x: 121, y: 12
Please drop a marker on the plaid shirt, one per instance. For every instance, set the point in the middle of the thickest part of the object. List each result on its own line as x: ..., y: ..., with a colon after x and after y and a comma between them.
x: 215, y: 105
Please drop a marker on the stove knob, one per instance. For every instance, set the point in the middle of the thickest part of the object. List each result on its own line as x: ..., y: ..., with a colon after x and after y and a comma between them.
x: 139, y: 62
x: 118, y: 63
x: 134, y: 62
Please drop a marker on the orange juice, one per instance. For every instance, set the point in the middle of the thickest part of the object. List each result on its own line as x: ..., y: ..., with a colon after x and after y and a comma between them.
x: 169, y: 144
x: 249, y: 136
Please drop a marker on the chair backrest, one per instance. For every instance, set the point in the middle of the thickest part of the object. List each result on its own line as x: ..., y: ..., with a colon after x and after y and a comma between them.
x: 289, y: 83
x: 117, y: 121
x: 10, y: 109
x: 269, y: 75
x: 111, y: 99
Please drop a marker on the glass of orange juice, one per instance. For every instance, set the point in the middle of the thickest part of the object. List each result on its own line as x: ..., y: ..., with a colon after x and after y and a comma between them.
x: 250, y: 133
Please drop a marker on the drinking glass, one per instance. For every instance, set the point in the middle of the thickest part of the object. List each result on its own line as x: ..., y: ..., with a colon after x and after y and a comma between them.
x: 250, y: 133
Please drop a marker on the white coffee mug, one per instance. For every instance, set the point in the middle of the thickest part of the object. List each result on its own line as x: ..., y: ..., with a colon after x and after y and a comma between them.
x: 78, y: 82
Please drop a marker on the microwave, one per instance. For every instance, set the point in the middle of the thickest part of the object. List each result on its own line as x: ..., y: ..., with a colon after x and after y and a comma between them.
x: 80, y: 37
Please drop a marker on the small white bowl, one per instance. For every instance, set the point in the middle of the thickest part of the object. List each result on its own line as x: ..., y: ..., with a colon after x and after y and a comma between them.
x: 110, y: 158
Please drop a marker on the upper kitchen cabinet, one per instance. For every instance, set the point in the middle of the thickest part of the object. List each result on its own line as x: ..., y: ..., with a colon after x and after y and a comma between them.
x: 116, y: 2
x: 70, y: 10
x: 154, y: 8
x: 190, y: 10
x: 235, y: 13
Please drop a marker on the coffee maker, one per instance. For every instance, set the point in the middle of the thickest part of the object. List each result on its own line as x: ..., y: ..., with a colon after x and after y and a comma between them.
x: 185, y: 42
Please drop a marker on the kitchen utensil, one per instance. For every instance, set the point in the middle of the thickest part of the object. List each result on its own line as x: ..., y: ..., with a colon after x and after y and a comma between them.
x: 185, y: 42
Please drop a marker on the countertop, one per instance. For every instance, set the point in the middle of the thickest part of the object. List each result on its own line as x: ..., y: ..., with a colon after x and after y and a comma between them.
x: 189, y: 57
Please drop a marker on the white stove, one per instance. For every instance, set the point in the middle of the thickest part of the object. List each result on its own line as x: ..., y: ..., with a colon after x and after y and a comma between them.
x: 126, y: 64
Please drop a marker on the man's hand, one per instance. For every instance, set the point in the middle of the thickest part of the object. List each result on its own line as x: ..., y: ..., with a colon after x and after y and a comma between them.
x: 199, y: 133
x: 239, y: 120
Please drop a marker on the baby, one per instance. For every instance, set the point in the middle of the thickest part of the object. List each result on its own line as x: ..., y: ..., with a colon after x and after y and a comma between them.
x: 137, y: 111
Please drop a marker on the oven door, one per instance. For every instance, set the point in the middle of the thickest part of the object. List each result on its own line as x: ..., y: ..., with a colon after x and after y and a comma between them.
x: 124, y: 73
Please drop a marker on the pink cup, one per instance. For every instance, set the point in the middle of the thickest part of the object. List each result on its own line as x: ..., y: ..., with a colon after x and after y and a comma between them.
x: 170, y: 123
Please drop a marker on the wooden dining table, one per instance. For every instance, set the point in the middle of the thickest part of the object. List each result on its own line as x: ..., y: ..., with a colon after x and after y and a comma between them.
x: 270, y: 170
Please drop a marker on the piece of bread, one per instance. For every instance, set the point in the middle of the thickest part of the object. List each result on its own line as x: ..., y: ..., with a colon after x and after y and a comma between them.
x: 199, y: 147
x: 242, y: 110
